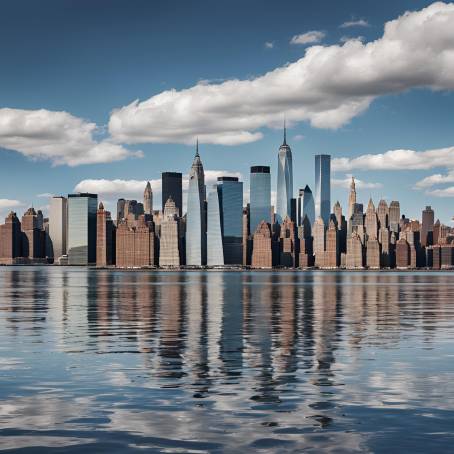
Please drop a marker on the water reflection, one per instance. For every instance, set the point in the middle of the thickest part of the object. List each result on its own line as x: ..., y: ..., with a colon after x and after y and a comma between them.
x: 208, y: 361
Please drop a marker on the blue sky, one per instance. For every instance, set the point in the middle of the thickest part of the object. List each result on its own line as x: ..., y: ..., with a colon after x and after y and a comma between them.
x: 90, y: 58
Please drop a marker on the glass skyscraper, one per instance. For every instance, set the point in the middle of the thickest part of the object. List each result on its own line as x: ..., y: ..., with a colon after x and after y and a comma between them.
x: 215, y: 250
x: 58, y: 226
x: 323, y: 187
x: 260, y: 197
x: 230, y: 192
x: 284, y: 191
x: 172, y: 187
x: 82, y: 210
x: 306, y: 206
x: 195, y: 217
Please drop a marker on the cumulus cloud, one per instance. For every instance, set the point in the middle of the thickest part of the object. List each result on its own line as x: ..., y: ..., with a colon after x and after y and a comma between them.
x: 360, y: 184
x: 56, y: 136
x: 355, y: 23
x: 8, y: 204
x: 436, y: 179
x: 110, y: 190
x: 327, y: 87
x: 311, y: 37
x: 398, y: 160
x: 269, y: 45
x: 445, y: 192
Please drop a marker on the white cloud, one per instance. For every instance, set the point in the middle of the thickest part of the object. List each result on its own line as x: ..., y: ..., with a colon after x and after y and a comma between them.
x: 56, y: 136
x: 446, y: 192
x: 433, y: 180
x: 355, y: 23
x: 328, y: 87
x: 269, y: 45
x: 311, y: 37
x: 8, y: 204
x: 360, y: 184
x: 345, y: 38
x: 45, y: 195
x: 398, y: 160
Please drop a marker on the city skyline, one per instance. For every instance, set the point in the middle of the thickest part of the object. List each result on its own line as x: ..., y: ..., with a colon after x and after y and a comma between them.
x: 89, y: 160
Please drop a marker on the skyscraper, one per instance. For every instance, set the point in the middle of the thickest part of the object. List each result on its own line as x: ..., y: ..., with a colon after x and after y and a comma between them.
x: 383, y: 214
x: 306, y: 206
x: 427, y: 228
x: 323, y: 187
x: 105, y: 238
x: 172, y: 187
x: 371, y: 223
x: 262, y: 252
x: 318, y: 232
x: 32, y: 236
x: 215, y: 250
x: 284, y: 191
x: 148, y: 200
x: 10, y: 239
x: 82, y: 210
x: 120, y: 210
x: 394, y: 216
x: 351, y: 199
x: 195, y: 217
x: 58, y: 226
x: 260, y: 197
x: 230, y: 192
x: 169, y: 248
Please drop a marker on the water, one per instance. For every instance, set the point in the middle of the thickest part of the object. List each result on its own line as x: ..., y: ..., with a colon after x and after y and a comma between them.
x: 94, y: 361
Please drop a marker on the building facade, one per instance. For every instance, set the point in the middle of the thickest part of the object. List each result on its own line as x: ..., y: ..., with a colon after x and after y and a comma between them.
x: 284, y: 190
x: 260, y: 197
x: 323, y: 187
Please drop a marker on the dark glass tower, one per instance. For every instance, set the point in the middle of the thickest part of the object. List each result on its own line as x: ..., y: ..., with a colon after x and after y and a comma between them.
x: 172, y: 187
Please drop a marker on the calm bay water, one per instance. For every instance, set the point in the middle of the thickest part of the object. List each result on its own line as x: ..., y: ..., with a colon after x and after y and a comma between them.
x: 94, y: 361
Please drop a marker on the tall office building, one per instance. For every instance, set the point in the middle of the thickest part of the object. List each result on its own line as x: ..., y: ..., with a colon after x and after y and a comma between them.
x: 284, y: 192
x: 169, y: 246
x: 306, y: 206
x: 371, y: 222
x: 32, y: 236
x: 120, y: 210
x: 82, y: 210
x: 215, y: 250
x: 105, y: 238
x: 172, y: 187
x: 195, y: 217
x: 323, y: 187
x: 332, y: 254
x: 383, y: 214
x: 10, y: 239
x: 148, y: 200
x: 351, y: 199
x: 58, y: 227
x: 230, y: 192
x: 427, y: 228
x: 394, y: 216
x: 260, y: 197
x: 318, y: 232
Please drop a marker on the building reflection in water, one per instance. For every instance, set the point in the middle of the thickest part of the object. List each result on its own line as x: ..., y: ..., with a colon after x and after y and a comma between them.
x: 270, y: 333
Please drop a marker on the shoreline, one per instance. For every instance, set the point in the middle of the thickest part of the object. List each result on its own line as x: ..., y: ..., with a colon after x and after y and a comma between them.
x: 232, y: 269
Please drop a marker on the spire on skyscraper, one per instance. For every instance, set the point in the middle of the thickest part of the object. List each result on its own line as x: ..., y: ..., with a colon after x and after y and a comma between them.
x: 285, y: 133
x: 197, y: 148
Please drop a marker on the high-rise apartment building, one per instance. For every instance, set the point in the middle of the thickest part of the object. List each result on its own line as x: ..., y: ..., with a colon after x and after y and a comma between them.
x: 284, y: 191
x: 172, y: 187
x: 58, y: 227
x: 262, y: 252
x: 306, y: 206
x: 82, y: 209
x: 260, y: 197
x: 323, y: 187
x: 195, y: 217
